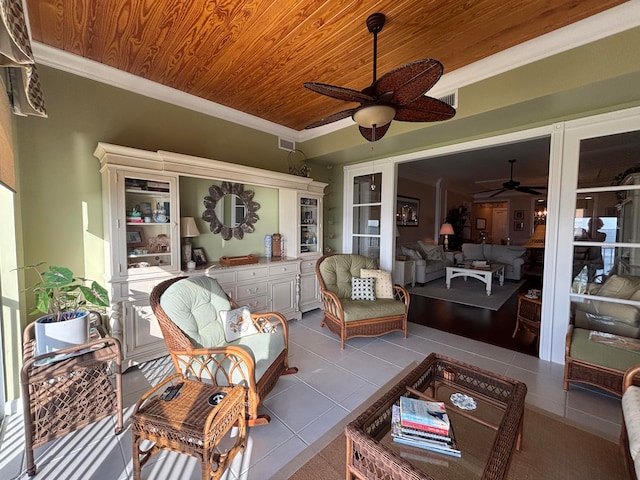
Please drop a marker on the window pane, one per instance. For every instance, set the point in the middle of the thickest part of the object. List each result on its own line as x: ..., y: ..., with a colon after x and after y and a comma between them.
x: 595, y: 264
x: 607, y: 160
x: 367, y: 246
x: 367, y: 189
x: 366, y: 220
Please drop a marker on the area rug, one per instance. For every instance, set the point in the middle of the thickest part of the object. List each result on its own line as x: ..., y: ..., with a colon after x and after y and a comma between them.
x: 471, y: 292
x: 552, y: 450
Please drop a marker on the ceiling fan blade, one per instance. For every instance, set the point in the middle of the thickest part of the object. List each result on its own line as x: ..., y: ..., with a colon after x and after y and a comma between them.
x: 425, y: 109
x: 332, y: 118
x: 374, y: 134
x: 537, y: 187
x: 527, y: 190
x: 409, y: 81
x: 498, y: 192
x: 340, y: 93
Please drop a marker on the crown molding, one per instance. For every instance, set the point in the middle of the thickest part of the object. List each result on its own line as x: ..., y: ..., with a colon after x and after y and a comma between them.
x: 607, y: 23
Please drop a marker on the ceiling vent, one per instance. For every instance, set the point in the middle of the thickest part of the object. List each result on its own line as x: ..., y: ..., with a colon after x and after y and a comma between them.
x: 450, y: 99
x: 288, y: 145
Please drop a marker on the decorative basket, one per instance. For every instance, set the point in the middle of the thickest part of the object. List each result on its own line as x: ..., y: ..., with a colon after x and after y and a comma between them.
x: 240, y: 260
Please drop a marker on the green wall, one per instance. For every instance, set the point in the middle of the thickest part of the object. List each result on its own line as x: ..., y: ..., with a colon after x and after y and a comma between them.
x: 192, y: 193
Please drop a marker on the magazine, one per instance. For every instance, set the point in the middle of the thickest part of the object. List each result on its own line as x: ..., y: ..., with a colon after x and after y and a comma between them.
x: 424, y: 415
x: 403, y: 436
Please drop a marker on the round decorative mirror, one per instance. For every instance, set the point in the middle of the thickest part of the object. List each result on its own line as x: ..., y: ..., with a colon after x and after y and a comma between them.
x: 230, y: 210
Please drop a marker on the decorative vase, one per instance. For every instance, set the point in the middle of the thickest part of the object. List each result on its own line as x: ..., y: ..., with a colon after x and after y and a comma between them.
x: 52, y: 336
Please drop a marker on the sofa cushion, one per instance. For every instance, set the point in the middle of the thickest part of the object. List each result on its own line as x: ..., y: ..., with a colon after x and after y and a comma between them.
x: 620, y: 286
x: 434, y: 266
x: 599, y: 353
x: 412, y: 253
x: 432, y: 252
x: 193, y: 304
x: 383, y: 283
x: 506, y: 254
x: 473, y: 251
x: 363, y: 288
x: 358, y: 310
x: 631, y: 414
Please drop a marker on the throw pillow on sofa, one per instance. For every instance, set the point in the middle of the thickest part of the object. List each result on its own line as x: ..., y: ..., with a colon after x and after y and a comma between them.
x: 411, y: 253
x: 432, y: 252
x: 620, y: 286
x: 473, y: 251
x: 509, y: 254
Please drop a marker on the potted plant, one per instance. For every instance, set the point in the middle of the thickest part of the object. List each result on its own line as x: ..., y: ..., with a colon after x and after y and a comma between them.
x: 63, y: 299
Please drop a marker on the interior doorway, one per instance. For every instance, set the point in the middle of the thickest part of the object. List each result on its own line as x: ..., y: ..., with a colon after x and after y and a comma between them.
x: 499, y: 224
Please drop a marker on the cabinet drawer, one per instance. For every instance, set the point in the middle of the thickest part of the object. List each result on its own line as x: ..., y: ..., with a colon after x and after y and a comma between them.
x: 255, y: 304
x: 308, y: 266
x: 223, y: 277
x: 291, y: 268
x: 250, y: 290
x: 134, y: 289
x: 251, y: 274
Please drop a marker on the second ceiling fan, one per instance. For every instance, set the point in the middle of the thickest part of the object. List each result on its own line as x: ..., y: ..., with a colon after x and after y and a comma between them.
x: 397, y: 95
x: 512, y: 184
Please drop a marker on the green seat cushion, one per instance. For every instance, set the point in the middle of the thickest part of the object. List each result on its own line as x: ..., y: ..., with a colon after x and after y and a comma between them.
x: 599, y: 353
x: 365, y: 309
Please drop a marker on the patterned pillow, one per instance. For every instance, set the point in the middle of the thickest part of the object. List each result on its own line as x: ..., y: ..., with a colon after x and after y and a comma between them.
x: 383, y: 285
x: 411, y: 253
x: 363, y: 288
x: 237, y: 323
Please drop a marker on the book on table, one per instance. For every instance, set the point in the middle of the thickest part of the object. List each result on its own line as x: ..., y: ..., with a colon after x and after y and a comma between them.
x: 407, y: 436
x: 428, y: 416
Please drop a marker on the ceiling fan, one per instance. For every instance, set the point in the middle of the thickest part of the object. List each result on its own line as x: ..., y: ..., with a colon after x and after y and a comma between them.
x: 511, y: 184
x: 397, y: 95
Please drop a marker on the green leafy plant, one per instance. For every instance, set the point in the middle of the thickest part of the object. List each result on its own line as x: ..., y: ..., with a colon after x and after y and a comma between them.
x: 61, y: 295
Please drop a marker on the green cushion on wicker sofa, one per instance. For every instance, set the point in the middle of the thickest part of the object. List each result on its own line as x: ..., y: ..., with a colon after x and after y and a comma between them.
x: 599, y: 353
x: 363, y: 309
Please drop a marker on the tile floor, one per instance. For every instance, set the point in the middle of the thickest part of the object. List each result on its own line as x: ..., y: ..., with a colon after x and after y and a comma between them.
x: 306, y: 409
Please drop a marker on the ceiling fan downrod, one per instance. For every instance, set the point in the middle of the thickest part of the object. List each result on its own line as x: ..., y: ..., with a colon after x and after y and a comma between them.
x: 375, y: 22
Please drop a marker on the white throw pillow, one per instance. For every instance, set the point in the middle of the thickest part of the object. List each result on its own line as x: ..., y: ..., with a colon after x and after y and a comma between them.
x: 432, y: 252
x: 411, y: 253
x: 384, y: 284
x: 237, y: 323
x: 631, y: 414
x: 363, y: 288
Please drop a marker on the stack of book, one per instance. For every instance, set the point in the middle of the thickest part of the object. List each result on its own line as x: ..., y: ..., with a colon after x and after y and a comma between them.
x: 423, y: 424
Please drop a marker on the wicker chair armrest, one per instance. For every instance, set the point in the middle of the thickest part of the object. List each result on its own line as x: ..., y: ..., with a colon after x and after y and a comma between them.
x: 567, y: 343
x: 331, y: 303
x: 629, y: 376
x: 401, y: 294
x: 154, y: 390
x: 267, y: 322
x: 202, y: 357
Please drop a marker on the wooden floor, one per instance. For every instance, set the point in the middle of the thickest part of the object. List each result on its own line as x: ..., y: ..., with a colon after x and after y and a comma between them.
x: 489, y: 326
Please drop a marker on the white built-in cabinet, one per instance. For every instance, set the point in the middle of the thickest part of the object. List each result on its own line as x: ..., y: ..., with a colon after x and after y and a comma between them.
x: 142, y: 241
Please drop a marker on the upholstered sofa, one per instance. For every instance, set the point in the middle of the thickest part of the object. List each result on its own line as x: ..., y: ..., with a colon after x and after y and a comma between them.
x: 615, y: 318
x: 511, y: 256
x: 430, y: 260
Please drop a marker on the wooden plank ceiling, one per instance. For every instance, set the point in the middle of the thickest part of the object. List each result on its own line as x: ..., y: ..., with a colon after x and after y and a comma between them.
x: 254, y: 55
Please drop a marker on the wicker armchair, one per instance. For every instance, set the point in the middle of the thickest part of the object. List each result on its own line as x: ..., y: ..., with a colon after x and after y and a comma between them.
x: 349, y: 318
x: 188, y: 311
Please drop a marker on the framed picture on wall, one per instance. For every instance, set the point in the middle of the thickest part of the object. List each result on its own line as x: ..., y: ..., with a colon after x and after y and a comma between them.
x: 407, y: 211
x: 518, y: 214
x: 518, y: 226
x: 481, y: 223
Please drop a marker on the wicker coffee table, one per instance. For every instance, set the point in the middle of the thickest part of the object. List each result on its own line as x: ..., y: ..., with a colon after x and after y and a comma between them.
x: 189, y: 424
x: 486, y: 436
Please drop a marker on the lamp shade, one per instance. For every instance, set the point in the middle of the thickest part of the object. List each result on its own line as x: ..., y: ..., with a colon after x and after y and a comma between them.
x: 371, y: 115
x: 188, y: 227
x: 446, y: 229
x: 537, y: 238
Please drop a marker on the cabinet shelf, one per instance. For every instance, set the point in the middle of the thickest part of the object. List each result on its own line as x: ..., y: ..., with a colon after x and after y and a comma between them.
x: 148, y: 193
x: 158, y: 254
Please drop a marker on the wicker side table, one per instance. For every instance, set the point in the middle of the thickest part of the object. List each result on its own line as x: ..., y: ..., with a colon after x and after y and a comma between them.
x: 529, y: 316
x: 63, y: 396
x: 189, y: 424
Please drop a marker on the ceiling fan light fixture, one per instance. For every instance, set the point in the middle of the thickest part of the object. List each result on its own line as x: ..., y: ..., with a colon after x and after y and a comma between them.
x: 369, y: 116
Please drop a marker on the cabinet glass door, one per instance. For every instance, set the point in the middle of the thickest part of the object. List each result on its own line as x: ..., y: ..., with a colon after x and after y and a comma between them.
x: 149, y: 241
x: 309, y: 234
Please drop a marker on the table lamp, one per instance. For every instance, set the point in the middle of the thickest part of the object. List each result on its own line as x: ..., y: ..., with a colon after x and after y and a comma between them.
x: 446, y: 229
x: 188, y: 229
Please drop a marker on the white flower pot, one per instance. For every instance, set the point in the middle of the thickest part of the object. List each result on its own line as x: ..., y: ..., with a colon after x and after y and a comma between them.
x: 52, y: 336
